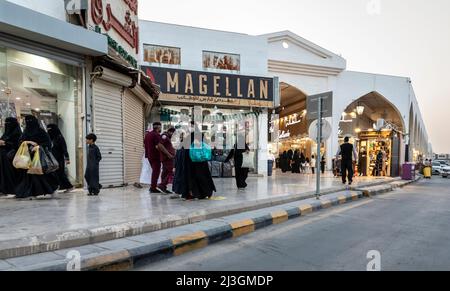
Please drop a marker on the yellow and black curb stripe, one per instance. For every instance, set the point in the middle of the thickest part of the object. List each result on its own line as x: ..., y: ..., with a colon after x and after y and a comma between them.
x: 207, y: 233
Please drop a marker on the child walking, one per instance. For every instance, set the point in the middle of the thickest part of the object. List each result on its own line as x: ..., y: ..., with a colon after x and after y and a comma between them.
x: 92, y: 174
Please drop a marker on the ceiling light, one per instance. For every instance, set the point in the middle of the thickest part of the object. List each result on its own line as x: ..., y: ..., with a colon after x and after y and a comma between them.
x: 28, y: 104
x: 37, y: 109
x: 18, y: 98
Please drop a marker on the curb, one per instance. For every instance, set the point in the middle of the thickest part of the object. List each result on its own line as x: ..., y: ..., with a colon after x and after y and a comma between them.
x: 203, y: 234
x: 70, y: 239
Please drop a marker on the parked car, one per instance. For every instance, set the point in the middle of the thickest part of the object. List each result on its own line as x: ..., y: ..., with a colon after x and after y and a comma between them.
x: 445, y: 171
x: 437, y: 168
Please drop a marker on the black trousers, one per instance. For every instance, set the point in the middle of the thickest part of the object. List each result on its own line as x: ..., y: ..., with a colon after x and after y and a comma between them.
x: 241, y: 177
x: 347, y: 171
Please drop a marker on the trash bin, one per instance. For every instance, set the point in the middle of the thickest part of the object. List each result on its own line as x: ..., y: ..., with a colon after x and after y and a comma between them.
x: 427, y: 172
x: 270, y: 168
x: 409, y: 172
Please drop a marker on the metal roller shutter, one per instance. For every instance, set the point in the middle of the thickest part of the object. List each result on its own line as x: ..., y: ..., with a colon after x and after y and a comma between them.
x: 133, y: 114
x: 108, y: 126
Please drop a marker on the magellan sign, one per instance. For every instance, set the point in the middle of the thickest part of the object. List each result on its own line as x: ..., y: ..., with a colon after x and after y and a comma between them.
x: 212, y: 88
x: 119, y: 20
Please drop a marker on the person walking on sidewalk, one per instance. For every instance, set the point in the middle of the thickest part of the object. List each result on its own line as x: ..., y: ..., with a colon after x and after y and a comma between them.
x: 313, y: 164
x: 92, y: 174
x: 9, y: 144
x: 167, y: 152
x: 322, y: 164
x: 152, y: 153
x: 241, y: 173
x: 348, y: 153
x: 59, y: 150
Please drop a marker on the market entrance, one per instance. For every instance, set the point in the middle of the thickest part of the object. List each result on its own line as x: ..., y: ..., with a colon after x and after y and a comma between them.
x: 376, y: 128
x: 289, y: 127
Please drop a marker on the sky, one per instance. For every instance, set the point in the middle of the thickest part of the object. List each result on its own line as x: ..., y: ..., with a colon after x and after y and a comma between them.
x: 409, y: 38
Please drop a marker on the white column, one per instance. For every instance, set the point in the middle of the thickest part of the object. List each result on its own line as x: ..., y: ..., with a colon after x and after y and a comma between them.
x: 263, y: 130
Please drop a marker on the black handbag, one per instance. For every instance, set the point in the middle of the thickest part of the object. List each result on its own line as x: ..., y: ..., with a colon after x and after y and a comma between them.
x: 48, y: 161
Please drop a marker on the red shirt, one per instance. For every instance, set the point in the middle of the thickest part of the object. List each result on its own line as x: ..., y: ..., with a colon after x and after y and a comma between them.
x: 152, y: 139
x: 167, y: 143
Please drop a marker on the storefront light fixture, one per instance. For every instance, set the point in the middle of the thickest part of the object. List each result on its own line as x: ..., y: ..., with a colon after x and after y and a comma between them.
x: 353, y: 115
x: 28, y: 104
x: 18, y: 98
x: 37, y: 109
x: 358, y: 130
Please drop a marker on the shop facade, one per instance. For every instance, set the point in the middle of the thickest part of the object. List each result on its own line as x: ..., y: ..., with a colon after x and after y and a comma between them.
x: 219, y: 81
x: 379, y: 112
x: 83, y: 76
x: 42, y: 73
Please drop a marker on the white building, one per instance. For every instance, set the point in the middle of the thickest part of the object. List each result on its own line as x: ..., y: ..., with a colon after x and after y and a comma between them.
x: 303, y: 68
x: 306, y: 69
x: 169, y: 48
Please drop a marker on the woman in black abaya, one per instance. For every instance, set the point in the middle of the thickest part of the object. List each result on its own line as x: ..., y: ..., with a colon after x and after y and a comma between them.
x: 9, y: 143
x: 35, y: 185
x: 59, y: 150
x: 200, y: 181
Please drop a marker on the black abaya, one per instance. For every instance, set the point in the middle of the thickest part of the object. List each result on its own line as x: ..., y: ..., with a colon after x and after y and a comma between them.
x: 8, y: 174
x: 36, y: 185
x: 59, y: 150
x: 241, y: 173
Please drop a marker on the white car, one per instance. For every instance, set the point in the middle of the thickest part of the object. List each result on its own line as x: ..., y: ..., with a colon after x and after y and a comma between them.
x: 445, y: 171
x: 437, y: 168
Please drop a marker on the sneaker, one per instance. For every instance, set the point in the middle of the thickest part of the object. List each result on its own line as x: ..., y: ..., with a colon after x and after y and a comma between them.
x: 154, y: 191
x: 68, y: 190
x: 175, y: 196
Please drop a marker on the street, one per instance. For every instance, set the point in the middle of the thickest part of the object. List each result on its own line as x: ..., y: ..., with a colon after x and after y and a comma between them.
x: 410, y: 228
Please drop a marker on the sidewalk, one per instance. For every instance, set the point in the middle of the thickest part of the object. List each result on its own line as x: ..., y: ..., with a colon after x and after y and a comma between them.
x: 47, y: 223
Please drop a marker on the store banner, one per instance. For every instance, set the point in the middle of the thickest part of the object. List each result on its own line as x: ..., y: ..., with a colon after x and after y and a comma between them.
x: 212, y: 88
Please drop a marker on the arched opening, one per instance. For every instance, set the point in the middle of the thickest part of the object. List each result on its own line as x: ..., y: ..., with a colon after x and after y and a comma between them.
x: 376, y: 128
x: 289, y: 125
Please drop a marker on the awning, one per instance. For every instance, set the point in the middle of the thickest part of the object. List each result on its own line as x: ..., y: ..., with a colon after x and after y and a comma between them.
x: 138, y: 77
x: 28, y: 24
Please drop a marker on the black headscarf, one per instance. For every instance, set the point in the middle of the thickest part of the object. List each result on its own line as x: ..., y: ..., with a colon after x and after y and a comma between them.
x: 12, y: 130
x: 35, y: 133
x: 53, y: 131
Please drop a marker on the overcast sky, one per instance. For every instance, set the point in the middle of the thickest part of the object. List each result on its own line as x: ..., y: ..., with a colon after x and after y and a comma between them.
x: 408, y: 38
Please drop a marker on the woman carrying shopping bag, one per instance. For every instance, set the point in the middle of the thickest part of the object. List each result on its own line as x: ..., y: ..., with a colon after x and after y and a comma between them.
x: 242, y: 169
x: 39, y: 143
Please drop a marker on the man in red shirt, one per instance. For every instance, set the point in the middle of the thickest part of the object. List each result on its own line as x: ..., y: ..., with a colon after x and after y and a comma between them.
x: 167, y: 158
x: 152, y: 142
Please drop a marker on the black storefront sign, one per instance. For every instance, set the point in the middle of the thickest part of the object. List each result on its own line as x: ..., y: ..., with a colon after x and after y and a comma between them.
x: 212, y: 88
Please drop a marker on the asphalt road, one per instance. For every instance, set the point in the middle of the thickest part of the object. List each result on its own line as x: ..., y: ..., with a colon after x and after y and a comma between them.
x: 409, y: 228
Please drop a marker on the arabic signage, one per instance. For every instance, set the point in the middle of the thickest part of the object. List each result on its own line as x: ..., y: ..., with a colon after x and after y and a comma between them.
x: 119, y: 20
x: 212, y: 88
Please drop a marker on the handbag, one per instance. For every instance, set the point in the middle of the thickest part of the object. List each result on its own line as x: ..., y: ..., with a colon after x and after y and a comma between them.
x: 48, y: 161
x: 200, y: 155
x: 248, y: 161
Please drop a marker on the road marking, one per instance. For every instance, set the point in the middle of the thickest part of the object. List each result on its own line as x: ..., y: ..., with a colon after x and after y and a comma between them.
x: 229, y: 246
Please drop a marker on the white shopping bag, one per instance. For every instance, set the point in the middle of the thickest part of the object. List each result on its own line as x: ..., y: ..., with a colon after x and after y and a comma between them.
x: 146, y: 172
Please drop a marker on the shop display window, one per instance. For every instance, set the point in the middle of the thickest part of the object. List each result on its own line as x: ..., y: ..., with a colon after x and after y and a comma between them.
x: 48, y: 89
